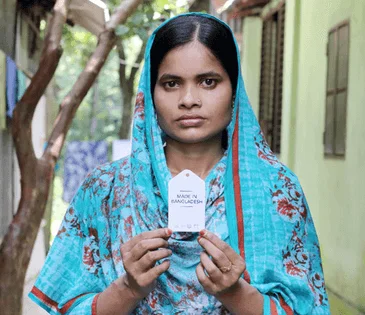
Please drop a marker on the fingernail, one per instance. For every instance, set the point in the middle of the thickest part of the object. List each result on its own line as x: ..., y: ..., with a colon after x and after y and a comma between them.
x: 168, y: 232
x: 203, y: 232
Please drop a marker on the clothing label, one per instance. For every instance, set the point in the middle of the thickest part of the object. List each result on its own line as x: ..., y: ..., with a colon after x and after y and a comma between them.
x: 186, y: 203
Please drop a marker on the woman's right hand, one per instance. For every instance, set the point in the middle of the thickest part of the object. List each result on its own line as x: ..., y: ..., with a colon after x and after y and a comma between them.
x: 140, y: 255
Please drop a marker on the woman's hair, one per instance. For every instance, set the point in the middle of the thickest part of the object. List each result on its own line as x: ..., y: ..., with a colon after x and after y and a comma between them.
x: 184, y: 29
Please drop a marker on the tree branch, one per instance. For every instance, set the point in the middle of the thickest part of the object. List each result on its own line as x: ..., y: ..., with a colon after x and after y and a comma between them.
x: 71, y: 102
x: 138, y: 61
x: 122, y: 13
x: 122, y: 67
x: 25, y: 108
x: 37, y: 175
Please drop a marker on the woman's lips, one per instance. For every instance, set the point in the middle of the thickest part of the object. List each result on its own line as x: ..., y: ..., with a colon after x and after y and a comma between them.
x: 190, y: 121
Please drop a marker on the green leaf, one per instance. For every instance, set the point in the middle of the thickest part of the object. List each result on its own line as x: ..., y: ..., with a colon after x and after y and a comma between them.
x: 122, y: 30
x: 161, y: 3
x: 142, y: 33
x: 150, y: 12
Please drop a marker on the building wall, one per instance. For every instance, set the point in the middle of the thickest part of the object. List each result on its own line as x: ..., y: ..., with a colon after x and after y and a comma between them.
x: 7, y: 26
x: 6, y: 180
x: 251, y: 59
x: 10, y: 196
x: 334, y: 187
x: 290, y: 80
x: 9, y: 169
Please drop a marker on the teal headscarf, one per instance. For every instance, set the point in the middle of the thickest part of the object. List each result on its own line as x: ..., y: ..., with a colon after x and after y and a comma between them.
x: 254, y: 202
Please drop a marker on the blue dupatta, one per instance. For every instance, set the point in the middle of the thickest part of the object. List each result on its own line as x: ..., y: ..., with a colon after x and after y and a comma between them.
x: 254, y: 202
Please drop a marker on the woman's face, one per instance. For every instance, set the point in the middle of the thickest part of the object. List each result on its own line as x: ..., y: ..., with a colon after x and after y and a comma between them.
x: 193, y: 94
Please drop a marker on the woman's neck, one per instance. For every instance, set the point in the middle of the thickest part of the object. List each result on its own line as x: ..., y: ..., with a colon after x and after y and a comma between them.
x: 200, y: 158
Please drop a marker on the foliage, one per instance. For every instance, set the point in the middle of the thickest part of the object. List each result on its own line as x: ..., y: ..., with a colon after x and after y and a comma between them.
x: 143, y: 22
x: 78, y: 45
x: 149, y: 16
x: 78, y: 42
x: 104, y: 114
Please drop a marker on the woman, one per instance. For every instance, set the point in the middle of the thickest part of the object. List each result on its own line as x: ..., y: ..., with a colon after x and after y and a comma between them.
x: 259, y: 253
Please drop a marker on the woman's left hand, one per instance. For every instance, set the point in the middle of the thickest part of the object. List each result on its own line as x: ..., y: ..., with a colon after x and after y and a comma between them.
x: 222, y: 272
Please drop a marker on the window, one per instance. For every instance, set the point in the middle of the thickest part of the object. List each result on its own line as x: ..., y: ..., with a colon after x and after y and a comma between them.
x: 7, y: 26
x: 336, y: 95
x: 237, y: 26
x: 231, y: 23
x: 238, y: 29
x: 271, y: 82
x: 224, y: 17
x: 7, y: 181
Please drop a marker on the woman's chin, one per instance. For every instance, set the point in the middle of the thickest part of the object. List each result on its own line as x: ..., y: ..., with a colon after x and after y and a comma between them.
x: 195, y: 138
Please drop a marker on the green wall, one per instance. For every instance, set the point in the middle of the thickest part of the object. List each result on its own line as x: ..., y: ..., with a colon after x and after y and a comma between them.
x: 251, y: 59
x: 335, y: 188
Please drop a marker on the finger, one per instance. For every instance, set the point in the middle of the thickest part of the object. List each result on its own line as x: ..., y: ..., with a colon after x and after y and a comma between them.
x: 147, y: 245
x: 213, y: 271
x: 150, y: 258
x: 218, y: 256
x: 157, y: 271
x: 203, y: 278
x: 159, y: 233
x: 223, y: 246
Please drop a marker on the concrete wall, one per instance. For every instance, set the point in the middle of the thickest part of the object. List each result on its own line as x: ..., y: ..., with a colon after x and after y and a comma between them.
x: 335, y: 188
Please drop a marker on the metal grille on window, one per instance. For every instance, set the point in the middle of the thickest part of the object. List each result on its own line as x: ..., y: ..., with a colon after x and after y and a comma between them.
x: 271, y: 85
x: 336, y: 96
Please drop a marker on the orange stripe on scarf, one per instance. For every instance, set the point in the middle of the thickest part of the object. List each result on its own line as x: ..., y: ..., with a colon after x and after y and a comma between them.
x: 237, y: 198
x: 51, y: 303
x: 285, y: 307
x: 93, y: 305
x: 44, y: 298
x: 273, y: 310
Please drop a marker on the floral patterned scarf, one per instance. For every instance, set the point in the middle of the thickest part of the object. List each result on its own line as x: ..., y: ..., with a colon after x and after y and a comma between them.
x: 254, y: 202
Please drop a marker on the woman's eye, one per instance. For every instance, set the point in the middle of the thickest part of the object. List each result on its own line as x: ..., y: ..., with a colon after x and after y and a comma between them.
x: 209, y: 82
x: 171, y: 84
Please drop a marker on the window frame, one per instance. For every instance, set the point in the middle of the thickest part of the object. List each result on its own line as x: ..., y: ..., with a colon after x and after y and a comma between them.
x: 272, y: 76
x: 335, y: 91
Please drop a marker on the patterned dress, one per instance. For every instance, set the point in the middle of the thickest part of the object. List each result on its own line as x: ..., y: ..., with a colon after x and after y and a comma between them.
x: 254, y: 203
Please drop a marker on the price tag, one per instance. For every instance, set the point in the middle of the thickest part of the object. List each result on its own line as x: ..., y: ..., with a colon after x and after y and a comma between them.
x: 186, y: 203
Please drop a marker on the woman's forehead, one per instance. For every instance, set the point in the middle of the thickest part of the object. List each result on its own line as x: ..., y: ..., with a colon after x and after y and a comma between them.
x: 191, y: 58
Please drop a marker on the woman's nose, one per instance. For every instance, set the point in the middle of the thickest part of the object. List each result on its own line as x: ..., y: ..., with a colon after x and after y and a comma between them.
x: 189, y: 98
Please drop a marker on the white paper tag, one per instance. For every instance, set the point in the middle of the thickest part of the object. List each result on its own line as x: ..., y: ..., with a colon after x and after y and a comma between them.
x: 186, y: 203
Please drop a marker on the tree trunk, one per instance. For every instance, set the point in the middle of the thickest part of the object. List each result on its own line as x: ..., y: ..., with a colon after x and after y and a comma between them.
x: 17, y: 245
x: 51, y: 112
x: 48, y: 219
x: 94, y: 109
x: 37, y: 174
x: 127, y: 89
x: 127, y: 110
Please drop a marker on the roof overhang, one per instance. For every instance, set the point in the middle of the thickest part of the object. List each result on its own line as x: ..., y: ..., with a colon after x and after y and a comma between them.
x: 218, y: 4
x: 198, y: 5
x: 90, y: 14
x: 241, y: 8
